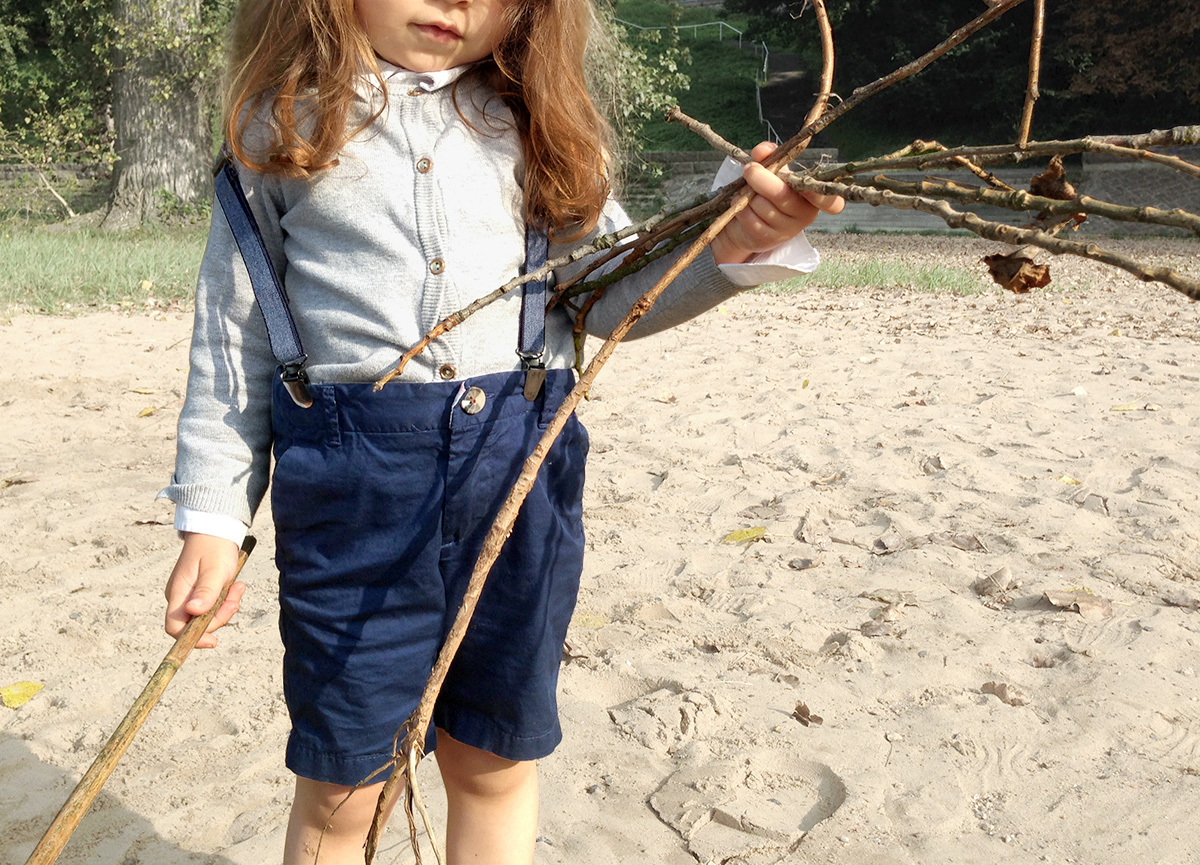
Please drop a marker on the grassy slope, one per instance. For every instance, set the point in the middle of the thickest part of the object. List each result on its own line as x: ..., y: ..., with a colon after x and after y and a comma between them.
x: 722, y: 88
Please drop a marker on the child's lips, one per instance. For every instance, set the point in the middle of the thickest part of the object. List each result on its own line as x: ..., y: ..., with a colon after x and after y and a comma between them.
x: 439, y: 32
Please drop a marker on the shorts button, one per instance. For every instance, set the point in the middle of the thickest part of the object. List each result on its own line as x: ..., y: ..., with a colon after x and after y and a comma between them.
x: 448, y: 372
x: 473, y: 401
x: 424, y: 164
x: 437, y: 266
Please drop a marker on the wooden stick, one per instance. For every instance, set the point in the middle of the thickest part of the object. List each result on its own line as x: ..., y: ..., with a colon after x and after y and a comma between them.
x: 86, y: 790
x: 1035, y: 66
x: 418, y: 722
x: 1004, y: 233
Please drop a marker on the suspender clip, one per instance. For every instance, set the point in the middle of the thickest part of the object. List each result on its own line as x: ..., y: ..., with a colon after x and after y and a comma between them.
x: 535, y: 374
x: 295, y: 379
x: 224, y: 155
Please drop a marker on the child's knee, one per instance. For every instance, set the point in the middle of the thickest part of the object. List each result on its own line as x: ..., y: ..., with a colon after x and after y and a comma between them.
x: 469, y: 771
x: 321, y: 804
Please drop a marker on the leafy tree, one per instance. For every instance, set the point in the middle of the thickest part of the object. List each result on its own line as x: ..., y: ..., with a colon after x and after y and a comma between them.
x: 1107, y: 65
x: 164, y: 56
x: 1138, y: 56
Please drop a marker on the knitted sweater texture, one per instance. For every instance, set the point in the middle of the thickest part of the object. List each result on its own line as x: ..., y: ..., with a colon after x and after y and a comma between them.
x: 421, y: 215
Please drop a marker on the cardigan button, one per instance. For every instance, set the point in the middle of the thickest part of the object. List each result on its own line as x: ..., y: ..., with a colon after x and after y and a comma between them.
x: 437, y: 266
x: 447, y: 372
x: 424, y: 165
x: 416, y: 91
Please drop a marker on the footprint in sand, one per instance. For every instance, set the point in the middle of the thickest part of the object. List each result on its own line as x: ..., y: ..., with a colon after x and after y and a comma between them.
x: 668, y: 718
x: 754, y: 810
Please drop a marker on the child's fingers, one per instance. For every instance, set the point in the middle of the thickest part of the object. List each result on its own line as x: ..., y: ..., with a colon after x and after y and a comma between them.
x: 775, y: 190
x: 233, y: 602
x: 831, y: 204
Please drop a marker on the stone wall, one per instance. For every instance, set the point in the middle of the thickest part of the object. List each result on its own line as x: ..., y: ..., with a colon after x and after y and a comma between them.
x: 1125, y: 181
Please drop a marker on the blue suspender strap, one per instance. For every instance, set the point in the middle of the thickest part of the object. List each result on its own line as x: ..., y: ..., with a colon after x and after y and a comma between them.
x: 533, y: 314
x: 272, y: 301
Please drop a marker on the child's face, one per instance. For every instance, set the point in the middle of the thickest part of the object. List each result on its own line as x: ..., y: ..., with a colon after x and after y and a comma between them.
x: 430, y: 35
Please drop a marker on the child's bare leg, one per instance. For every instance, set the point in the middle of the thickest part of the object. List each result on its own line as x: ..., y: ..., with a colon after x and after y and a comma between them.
x: 492, y: 805
x: 347, y: 832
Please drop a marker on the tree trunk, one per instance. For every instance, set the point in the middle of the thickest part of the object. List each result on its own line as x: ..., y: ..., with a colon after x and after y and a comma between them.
x: 164, y: 146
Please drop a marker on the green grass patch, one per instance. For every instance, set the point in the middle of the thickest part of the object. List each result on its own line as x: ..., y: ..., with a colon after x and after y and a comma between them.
x: 721, y: 94
x: 60, y: 270
x: 885, y: 274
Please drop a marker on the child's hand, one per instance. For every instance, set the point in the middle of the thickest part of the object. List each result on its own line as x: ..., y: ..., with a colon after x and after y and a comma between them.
x: 205, y: 565
x: 775, y: 215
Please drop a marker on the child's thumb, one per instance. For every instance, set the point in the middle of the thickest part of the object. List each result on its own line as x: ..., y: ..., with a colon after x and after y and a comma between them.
x: 204, y: 594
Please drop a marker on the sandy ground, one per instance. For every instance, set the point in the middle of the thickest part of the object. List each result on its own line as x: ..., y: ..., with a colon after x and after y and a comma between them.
x: 890, y: 448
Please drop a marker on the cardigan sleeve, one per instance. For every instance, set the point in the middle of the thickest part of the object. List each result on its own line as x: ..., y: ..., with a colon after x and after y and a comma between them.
x: 224, y: 440
x: 699, y: 288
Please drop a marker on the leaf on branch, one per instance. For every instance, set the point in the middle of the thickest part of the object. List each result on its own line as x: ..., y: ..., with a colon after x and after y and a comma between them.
x: 1053, y: 183
x: 1017, y: 273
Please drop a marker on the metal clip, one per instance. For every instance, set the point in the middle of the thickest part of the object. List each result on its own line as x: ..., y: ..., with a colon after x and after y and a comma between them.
x: 535, y: 374
x: 225, y: 154
x: 295, y: 379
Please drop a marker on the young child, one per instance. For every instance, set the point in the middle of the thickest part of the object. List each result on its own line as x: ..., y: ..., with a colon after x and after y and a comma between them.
x: 392, y: 154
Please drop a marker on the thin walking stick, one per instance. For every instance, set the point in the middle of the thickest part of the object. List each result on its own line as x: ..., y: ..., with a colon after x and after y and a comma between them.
x: 77, y: 804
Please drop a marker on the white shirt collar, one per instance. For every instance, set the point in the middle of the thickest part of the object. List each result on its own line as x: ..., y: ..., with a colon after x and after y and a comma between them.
x: 427, y: 81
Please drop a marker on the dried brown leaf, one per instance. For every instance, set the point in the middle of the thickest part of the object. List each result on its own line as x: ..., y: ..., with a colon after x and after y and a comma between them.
x: 805, y: 716
x: 1053, y: 183
x: 1017, y: 273
x: 1006, y: 693
x: 1081, y: 601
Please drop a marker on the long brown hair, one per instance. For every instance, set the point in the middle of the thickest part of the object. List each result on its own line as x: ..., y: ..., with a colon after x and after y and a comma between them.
x: 302, y: 58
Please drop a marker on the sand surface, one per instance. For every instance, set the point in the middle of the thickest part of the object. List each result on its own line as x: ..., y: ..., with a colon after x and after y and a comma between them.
x: 890, y: 448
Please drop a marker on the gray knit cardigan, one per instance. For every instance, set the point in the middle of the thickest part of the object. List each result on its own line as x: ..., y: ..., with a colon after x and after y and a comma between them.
x: 422, y: 215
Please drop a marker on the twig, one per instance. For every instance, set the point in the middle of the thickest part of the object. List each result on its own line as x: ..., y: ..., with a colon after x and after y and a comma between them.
x: 1018, y: 199
x: 974, y: 167
x: 77, y: 804
x: 1035, y: 65
x: 46, y: 183
x: 1127, y: 147
x: 708, y: 134
x: 506, y: 516
x: 997, y: 231
x: 795, y: 145
x: 456, y: 318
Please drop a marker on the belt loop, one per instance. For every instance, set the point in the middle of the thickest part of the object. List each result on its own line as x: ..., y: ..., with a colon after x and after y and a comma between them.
x: 333, y: 417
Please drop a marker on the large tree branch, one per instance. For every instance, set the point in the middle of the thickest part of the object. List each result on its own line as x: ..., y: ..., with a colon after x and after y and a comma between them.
x: 998, y: 231
x: 928, y: 154
x: 1018, y: 199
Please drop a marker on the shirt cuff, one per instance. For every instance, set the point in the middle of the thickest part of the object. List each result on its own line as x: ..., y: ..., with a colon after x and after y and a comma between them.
x: 201, y: 523
x: 792, y: 258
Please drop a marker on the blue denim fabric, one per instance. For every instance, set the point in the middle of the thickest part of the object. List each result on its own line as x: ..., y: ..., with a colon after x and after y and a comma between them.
x: 381, y: 503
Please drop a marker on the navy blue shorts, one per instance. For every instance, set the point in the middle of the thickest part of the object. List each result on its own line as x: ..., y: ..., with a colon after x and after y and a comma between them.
x: 381, y: 503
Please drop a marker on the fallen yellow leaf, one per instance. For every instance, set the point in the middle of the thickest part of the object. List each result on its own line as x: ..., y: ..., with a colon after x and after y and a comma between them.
x: 745, y: 536
x: 141, y: 390
x: 1126, y: 406
x: 1067, y: 479
x: 146, y: 412
x: 18, y: 694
